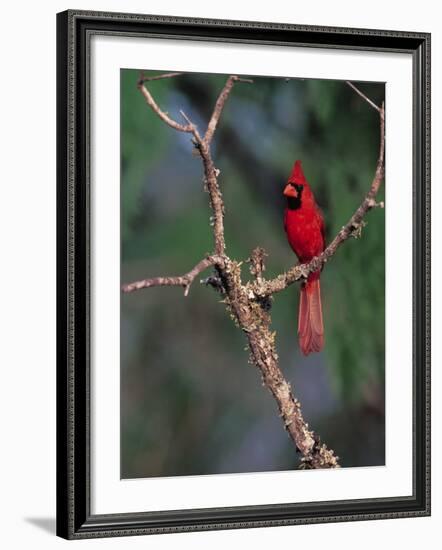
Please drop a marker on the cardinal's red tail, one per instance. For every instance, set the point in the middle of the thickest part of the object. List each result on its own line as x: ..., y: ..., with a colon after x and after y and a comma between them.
x: 310, y: 324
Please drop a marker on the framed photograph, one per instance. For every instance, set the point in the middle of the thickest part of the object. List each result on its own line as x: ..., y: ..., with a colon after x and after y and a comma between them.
x: 243, y: 274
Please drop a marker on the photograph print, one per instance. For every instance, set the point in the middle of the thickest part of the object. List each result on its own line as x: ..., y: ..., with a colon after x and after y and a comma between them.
x: 252, y: 274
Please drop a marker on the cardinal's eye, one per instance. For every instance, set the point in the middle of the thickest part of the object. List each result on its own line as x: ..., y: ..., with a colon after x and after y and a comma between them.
x: 298, y: 187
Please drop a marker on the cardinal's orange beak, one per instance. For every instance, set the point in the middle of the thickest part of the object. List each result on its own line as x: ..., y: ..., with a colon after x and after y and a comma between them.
x: 290, y: 191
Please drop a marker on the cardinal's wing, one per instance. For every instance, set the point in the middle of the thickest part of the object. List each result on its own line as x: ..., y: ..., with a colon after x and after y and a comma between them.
x: 321, y: 226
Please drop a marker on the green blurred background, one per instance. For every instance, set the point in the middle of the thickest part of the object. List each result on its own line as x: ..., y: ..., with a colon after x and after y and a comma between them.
x: 190, y: 402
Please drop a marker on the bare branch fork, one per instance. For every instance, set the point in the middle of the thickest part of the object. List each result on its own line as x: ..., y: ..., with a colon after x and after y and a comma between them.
x: 181, y: 280
x: 249, y: 304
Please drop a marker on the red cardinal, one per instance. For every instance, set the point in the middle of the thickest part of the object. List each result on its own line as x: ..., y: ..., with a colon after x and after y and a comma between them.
x: 304, y: 225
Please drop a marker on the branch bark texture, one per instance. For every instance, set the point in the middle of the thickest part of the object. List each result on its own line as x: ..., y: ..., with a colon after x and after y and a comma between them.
x: 179, y: 280
x: 249, y: 303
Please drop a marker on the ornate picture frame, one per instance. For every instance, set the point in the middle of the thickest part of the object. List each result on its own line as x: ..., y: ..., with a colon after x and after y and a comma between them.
x: 75, y: 217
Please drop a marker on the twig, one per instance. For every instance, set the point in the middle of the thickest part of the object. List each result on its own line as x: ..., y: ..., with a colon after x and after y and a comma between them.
x: 180, y: 280
x: 257, y: 263
x: 210, y: 172
x: 369, y: 101
x: 219, y: 105
x: 189, y: 127
x: 144, y: 78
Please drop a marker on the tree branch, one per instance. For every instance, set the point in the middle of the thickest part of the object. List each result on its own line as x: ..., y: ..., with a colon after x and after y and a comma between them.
x: 180, y: 280
x: 203, y: 146
x: 189, y: 127
x: 257, y: 262
x: 254, y: 319
x: 144, y: 78
x: 358, y: 91
x: 219, y: 106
